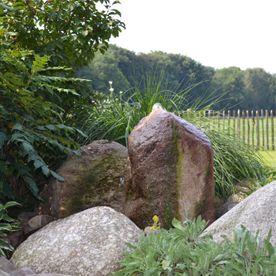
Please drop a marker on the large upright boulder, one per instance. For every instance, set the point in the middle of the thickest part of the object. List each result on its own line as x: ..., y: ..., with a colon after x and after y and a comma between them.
x: 172, y: 171
x: 95, y: 178
x: 257, y: 213
x: 89, y: 243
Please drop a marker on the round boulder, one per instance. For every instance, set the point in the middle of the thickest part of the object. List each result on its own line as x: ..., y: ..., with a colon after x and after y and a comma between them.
x: 89, y: 243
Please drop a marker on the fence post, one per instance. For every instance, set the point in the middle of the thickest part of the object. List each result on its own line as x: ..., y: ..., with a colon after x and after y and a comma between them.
x: 239, y: 124
x: 218, y: 119
x: 272, y: 130
x: 253, y: 128
x: 209, y: 119
x: 229, y: 127
x: 267, y: 129
x: 243, y: 126
x: 263, y: 129
x: 248, y: 127
x: 234, y: 123
x: 258, y: 129
x: 223, y: 120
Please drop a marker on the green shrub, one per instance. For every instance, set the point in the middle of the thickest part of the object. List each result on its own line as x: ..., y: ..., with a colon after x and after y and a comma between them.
x: 7, y: 225
x: 40, y: 99
x: 33, y: 135
x: 182, y: 251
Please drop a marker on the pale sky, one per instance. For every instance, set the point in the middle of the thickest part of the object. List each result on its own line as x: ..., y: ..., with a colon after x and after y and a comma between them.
x: 217, y: 33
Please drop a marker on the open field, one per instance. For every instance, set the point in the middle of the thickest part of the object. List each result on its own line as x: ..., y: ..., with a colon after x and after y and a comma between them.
x: 269, y: 157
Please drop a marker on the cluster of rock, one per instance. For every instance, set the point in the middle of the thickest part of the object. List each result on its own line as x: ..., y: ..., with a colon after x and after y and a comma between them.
x: 166, y: 171
x: 92, y: 242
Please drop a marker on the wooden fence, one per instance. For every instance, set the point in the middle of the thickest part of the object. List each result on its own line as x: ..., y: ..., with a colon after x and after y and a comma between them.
x: 253, y: 127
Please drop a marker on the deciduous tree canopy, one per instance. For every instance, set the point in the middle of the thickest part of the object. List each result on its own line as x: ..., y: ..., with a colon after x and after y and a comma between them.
x: 70, y: 31
x: 232, y: 87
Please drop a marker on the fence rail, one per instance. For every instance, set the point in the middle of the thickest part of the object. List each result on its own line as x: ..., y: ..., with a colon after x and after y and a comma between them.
x: 252, y: 127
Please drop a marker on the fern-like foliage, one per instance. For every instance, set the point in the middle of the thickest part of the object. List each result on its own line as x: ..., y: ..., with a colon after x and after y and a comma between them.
x: 33, y: 135
x: 7, y: 225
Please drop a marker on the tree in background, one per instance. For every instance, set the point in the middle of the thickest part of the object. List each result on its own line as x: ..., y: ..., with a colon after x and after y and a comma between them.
x: 127, y: 70
x: 259, y: 89
x: 230, y: 88
x: 228, y: 84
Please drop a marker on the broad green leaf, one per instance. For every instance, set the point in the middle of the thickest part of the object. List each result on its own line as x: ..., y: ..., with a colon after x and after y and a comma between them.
x: 11, y: 204
x: 57, y: 176
x: 17, y: 126
x: 177, y: 224
x: 45, y: 170
x: 39, y: 63
x: 27, y: 147
x: 38, y: 163
x: 51, y: 127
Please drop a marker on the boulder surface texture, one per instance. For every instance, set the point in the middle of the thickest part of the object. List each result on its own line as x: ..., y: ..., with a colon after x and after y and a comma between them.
x: 89, y: 243
x: 257, y: 213
x: 171, y: 171
x: 95, y: 178
x: 7, y: 268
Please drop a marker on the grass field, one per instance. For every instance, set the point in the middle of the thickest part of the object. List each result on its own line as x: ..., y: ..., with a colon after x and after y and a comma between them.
x: 269, y: 158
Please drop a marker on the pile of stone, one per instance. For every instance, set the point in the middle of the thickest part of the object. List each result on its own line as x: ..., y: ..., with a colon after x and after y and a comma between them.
x: 167, y: 171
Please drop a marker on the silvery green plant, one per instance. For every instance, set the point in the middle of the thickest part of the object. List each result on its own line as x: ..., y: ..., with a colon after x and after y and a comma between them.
x: 183, y: 251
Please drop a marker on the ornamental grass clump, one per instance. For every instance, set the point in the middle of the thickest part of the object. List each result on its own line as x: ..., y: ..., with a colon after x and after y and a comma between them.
x: 114, y: 115
x: 183, y: 251
x: 234, y: 161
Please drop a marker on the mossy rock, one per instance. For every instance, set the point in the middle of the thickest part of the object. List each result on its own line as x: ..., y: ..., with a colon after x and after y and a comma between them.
x: 95, y: 178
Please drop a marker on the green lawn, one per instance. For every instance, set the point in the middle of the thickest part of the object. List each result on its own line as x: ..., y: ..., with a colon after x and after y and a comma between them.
x: 269, y: 158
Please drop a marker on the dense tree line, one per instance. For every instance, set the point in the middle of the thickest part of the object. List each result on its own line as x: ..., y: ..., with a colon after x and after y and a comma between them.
x: 225, y: 88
